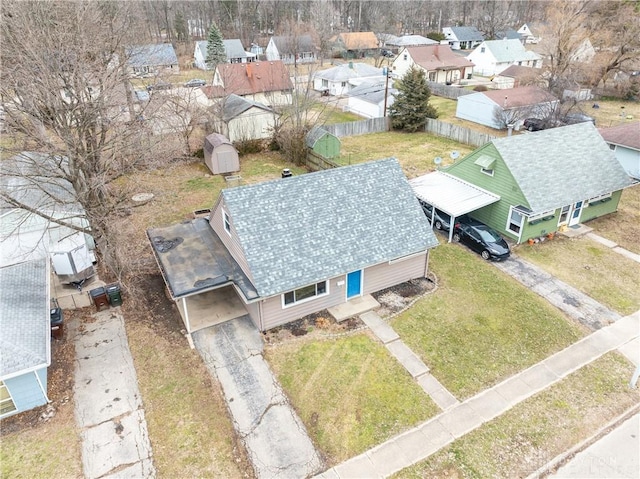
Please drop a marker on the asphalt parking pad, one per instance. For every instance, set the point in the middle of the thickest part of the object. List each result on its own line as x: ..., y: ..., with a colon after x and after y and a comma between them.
x: 273, y: 434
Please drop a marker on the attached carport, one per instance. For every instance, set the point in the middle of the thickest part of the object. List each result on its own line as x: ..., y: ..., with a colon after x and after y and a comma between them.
x: 451, y: 195
x: 206, y: 283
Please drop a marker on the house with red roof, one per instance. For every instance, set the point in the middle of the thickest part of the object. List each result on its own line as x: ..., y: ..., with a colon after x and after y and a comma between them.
x: 624, y: 140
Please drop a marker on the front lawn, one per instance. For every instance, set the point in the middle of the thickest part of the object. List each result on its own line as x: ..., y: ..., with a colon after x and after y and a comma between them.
x: 596, y: 270
x: 480, y: 326
x: 535, y: 431
x: 350, y: 392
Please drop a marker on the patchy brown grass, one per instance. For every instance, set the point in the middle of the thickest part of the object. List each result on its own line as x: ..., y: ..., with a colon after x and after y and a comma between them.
x: 623, y: 226
x: 611, y: 112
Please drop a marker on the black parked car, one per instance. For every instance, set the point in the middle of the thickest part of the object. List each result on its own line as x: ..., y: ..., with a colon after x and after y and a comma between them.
x: 481, y: 239
x: 441, y: 220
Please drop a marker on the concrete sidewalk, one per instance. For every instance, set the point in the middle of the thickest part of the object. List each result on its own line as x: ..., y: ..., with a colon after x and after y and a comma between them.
x: 614, y: 247
x: 420, y: 442
x: 108, y: 408
x: 275, y: 438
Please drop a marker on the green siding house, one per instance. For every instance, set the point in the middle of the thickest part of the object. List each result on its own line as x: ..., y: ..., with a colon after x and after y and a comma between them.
x: 323, y: 143
x: 547, y: 180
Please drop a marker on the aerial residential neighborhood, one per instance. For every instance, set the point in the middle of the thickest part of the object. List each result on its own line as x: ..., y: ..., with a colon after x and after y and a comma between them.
x: 320, y: 239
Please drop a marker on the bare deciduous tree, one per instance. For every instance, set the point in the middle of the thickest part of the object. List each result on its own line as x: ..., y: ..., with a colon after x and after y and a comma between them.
x: 66, y: 94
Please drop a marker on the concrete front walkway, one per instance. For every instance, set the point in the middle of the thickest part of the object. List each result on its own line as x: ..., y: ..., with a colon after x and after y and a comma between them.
x: 429, y: 437
x: 108, y: 408
x: 409, y: 360
x: 275, y: 437
x: 614, y: 246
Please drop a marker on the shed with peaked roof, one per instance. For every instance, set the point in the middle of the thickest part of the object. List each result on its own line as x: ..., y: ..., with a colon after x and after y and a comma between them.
x: 219, y: 154
x: 25, y: 348
x: 295, y: 246
x: 243, y: 119
x: 323, y: 143
x: 546, y: 180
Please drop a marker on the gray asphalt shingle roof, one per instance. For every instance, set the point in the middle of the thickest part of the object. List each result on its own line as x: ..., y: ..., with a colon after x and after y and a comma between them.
x: 24, y: 317
x: 304, y: 229
x: 467, y: 34
x: 509, y: 51
x: 160, y: 54
x: 560, y: 166
x: 235, y: 105
x: 349, y: 71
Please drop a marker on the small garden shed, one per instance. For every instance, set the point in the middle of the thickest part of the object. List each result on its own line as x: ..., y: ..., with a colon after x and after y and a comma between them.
x: 323, y: 143
x: 220, y: 155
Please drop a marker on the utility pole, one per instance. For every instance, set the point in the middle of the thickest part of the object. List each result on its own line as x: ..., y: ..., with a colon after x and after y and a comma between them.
x: 386, y: 90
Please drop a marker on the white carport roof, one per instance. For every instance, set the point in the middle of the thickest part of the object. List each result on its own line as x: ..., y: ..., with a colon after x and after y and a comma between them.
x: 450, y: 194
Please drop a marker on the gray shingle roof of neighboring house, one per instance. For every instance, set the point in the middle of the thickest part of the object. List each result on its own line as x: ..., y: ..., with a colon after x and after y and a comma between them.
x: 509, y: 35
x: 234, y: 49
x: 349, y: 71
x: 305, y: 229
x: 290, y: 45
x: 160, y: 54
x: 467, y: 34
x: 409, y: 41
x: 509, y: 51
x: 235, y: 105
x: 560, y: 166
x: 372, y: 92
x: 24, y: 317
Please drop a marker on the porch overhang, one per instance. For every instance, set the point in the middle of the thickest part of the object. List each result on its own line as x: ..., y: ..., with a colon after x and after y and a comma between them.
x: 451, y: 195
x: 193, y: 260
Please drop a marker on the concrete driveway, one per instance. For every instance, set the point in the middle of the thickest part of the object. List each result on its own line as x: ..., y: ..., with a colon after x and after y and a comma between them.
x: 275, y: 438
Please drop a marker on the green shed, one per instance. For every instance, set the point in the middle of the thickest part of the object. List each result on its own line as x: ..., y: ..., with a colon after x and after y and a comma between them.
x: 323, y: 143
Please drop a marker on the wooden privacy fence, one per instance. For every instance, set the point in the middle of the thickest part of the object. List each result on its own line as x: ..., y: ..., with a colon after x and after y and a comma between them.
x: 362, y: 127
x: 316, y: 162
x: 457, y: 133
x: 447, y: 91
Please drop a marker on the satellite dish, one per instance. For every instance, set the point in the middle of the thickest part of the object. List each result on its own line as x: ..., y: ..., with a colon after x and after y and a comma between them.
x: 454, y: 155
x: 437, y: 160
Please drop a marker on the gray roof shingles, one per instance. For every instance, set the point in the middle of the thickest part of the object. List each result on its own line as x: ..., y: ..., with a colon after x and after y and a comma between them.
x: 301, y: 230
x: 467, y: 34
x: 561, y: 166
x: 160, y: 54
x: 24, y: 317
x: 235, y: 105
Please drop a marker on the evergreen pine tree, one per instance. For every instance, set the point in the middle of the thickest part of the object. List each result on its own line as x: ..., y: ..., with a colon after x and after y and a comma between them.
x: 215, y: 48
x: 180, y: 26
x: 411, y: 107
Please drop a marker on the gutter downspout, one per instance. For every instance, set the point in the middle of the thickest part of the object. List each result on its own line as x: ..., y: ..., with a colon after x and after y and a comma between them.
x: 44, y: 392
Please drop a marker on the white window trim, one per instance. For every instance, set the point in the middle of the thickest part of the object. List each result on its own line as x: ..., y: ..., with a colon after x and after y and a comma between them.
x: 566, y: 221
x: 509, y: 230
x: 8, y: 399
x: 488, y: 172
x: 305, y: 300
x: 541, y: 215
x: 226, y: 222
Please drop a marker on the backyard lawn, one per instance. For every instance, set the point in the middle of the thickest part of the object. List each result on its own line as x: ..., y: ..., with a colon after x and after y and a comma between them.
x: 350, y: 392
x: 480, y: 326
x: 535, y: 431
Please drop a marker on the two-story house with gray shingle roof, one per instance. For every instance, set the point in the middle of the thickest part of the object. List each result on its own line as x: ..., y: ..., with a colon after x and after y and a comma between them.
x: 25, y: 349
x: 290, y: 247
x: 545, y: 181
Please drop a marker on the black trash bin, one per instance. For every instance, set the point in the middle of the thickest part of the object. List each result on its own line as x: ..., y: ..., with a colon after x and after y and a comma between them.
x: 99, y: 298
x: 57, y: 323
x: 113, y: 292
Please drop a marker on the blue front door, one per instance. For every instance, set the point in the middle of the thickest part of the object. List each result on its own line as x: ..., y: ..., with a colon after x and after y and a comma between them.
x: 354, y: 284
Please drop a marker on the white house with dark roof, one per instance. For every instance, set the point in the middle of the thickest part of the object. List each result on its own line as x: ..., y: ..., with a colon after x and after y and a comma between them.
x: 494, y: 56
x: 368, y: 99
x: 462, y: 38
x: 152, y: 59
x: 290, y: 247
x: 339, y: 80
x: 25, y: 342
x: 233, y: 48
x: 624, y: 140
x: 291, y: 49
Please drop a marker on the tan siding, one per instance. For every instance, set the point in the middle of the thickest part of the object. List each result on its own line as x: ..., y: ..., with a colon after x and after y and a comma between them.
x: 385, y: 275
x: 229, y: 240
x: 274, y: 314
x: 376, y: 278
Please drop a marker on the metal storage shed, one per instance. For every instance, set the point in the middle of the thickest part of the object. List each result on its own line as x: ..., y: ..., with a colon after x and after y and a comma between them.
x: 220, y: 155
